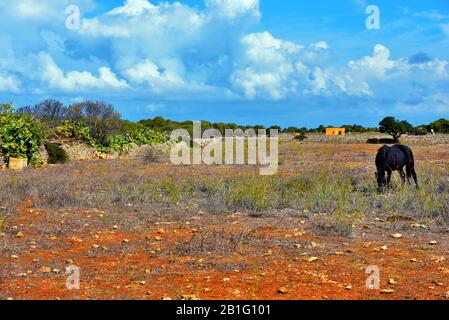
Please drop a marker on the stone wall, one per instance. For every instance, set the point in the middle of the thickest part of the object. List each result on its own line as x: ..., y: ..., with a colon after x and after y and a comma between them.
x: 78, y: 150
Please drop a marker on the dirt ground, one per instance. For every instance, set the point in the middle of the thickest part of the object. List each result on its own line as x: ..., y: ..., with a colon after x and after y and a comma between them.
x: 226, y: 255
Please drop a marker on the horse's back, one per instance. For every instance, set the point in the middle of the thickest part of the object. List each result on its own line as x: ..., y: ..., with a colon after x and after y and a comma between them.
x: 407, y: 151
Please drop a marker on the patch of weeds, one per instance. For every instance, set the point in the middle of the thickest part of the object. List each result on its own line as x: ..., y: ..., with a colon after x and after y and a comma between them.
x: 341, y: 224
x: 254, y: 194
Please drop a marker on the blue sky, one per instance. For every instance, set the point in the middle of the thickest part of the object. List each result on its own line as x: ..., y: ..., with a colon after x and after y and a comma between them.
x: 292, y: 63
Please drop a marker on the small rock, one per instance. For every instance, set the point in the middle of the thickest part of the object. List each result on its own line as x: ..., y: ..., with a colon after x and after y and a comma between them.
x: 19, y: 235
x: 440, y: 284
x: 45, y: 269
x: 312, y: 259
x: 392, y: 282
x: 387, y: 291
x: 417, y: 225
x: 433, y: 243
x: 396, y: 235
x: 413, y: 260
x: 189, y: 297
x: 283, y: 290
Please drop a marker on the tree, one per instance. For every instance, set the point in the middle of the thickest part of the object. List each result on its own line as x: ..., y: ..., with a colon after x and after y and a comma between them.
x: 395, y: 128
x: 52, y: 112
x: 441, y: 126
x: 101, y: 118
x: 20, y: 136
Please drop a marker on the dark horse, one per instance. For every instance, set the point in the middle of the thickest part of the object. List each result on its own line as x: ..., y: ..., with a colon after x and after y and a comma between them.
x: 395, y: 158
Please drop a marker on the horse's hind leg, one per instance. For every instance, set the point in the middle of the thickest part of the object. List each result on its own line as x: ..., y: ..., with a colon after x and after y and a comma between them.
x: 389, y: 172
x: 415, y: 177
x: 411, y: 173
x: 402, y: 174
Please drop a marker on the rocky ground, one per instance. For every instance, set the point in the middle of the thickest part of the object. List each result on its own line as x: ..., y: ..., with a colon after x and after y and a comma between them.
x: 127, y: 246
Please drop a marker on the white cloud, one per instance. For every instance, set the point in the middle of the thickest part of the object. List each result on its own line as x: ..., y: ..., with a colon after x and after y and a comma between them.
x: 267, y: 67
x: 9, y: 83
x: 170, y: 50
x: 77, y: 80
x: 31, y: 8
x: 148, y: 72
x: 433, y: 15
x: 436, y: 103
x: 133, y: 8
x: 321, y: 45
x: 232, y: 9
x: 379, y: 65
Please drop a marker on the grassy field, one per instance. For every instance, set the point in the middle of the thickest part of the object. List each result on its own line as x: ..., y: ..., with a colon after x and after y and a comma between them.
x: 153, y: 231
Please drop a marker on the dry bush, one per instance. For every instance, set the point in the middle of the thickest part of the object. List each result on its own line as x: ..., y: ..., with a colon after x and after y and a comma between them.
x: 118, y: 187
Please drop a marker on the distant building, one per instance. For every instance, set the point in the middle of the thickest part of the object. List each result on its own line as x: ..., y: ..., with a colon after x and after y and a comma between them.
x: 335, y: 132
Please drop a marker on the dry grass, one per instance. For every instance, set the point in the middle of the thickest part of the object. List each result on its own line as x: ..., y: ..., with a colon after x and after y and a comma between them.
x: 333, y: 180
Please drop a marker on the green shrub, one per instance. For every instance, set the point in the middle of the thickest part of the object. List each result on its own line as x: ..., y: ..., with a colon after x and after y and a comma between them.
x: 77, y: 130
x: 20, y: 136
x: 56, y: 154
x: 140, y: 137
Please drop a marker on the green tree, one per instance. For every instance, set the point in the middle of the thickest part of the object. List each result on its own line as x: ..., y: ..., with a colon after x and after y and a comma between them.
x: 20, y: 136
x: 441, y: 126
x: 395, y: 128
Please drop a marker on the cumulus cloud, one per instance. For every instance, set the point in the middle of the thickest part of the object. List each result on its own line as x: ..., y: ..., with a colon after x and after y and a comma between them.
x: 170, y: 50
x: 267, y: 66
x: 77, y: 80
x: 9, y: 83
x: 232, y: 9
x: 378, y: 65
x: 435, y: 103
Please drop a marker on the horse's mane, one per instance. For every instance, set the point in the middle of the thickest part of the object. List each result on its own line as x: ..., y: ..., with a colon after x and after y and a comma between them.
x: 382, y: 156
